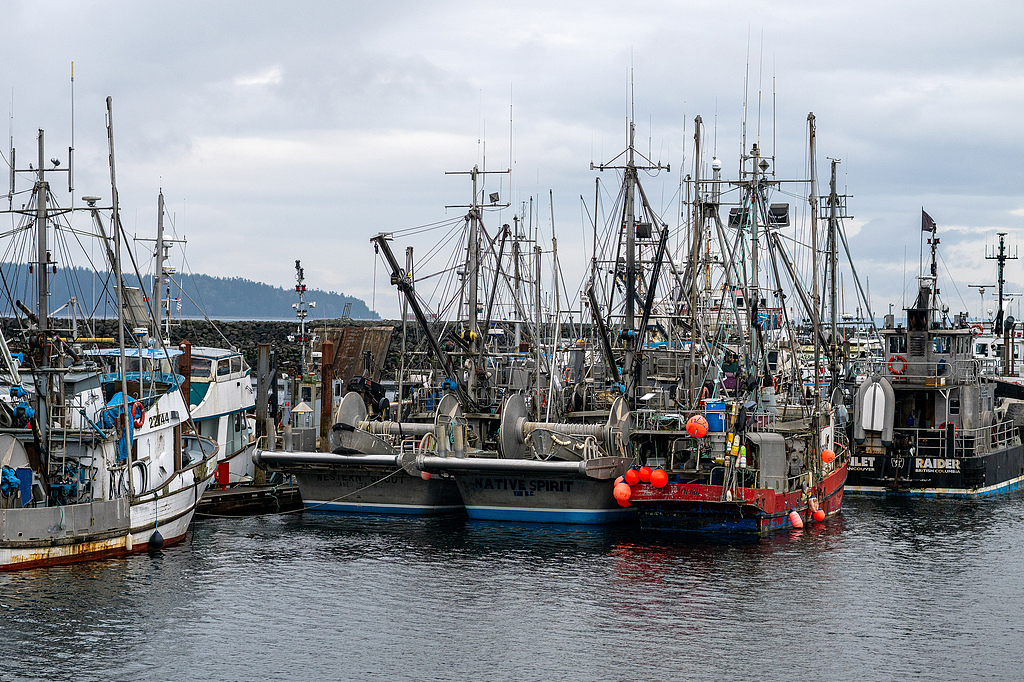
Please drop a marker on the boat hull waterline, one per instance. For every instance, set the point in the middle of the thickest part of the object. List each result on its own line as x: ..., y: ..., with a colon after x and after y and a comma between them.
x: 694, y: 507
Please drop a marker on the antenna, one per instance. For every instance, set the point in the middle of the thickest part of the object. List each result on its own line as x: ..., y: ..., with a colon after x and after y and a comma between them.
x: 746, y: 90
x: 632, y: 90
x: 10, y: 132
x: 773, y: 106
x: 760, y: 70
x: 71, y: 149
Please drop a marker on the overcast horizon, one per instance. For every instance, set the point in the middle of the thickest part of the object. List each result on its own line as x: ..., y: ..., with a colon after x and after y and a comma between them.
x: 283, y: 132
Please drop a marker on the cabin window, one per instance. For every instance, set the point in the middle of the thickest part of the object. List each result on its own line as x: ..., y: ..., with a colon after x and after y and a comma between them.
x: 223, y: 367
x: 307, y: 394
x: 236, y: 364
x: 337, y: 390
x: 981, y: 349
x: 954, y: 406
x: 897, y: 344
x: 201, y: 367
x: 942, y: 344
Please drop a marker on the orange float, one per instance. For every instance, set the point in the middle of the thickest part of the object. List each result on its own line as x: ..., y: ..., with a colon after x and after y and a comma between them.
x: 697, y: 426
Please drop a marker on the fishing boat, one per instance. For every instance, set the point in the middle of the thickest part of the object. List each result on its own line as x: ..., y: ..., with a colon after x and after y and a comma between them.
x: 521, y: 461
x: 474, y: 426
x: 928, y: 421
x: 724, y: 437
x: 217, y: 381
x: 362, y: 472
x: 96, y: 456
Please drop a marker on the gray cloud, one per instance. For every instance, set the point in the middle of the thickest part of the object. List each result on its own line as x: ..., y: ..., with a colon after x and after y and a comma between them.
x: 298, y: 131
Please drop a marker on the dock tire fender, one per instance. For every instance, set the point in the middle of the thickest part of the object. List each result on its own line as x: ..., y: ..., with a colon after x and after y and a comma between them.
x: 138, y: 414
x: 897, y: 364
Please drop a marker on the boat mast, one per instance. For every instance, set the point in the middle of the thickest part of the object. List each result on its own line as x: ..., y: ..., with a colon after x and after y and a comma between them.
x: 833, y: 257
x: 471, y: 337
x: 119, y: 287
x: 43, y: 378
x: 697, y: 225
x: 557, y: 327
x: 405, y: 330
x: 158, y: 270
x: 631, y: 185
x: 1000, y: 257
x: 815, y: 294
x: 42, y: 252
x: 473, y: 273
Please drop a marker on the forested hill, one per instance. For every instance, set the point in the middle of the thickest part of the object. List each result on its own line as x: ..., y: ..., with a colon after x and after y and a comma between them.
x: 218, y: 297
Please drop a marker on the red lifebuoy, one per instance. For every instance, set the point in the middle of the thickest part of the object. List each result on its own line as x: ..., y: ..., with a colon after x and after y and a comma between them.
x: 943, y: 425
x: 897, y: 364
x: 138, y: 415
x: 977, y: 329
x: 566, y: 374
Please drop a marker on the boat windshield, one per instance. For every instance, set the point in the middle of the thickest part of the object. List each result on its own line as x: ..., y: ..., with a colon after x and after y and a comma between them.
x: 201, y: 367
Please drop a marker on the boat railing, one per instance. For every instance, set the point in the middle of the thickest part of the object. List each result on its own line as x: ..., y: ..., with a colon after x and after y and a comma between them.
x: 659, y: 420
x: 966, y: 442
x: 928, y: 372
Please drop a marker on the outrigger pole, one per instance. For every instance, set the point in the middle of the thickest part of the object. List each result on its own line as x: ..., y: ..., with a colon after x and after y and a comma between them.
x: 402, y: 280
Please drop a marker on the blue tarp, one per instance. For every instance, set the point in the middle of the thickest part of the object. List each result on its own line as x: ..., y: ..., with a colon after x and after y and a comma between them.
x: 109, y: 419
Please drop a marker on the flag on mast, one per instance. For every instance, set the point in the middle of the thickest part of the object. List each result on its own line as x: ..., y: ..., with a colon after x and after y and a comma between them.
x: 927, y: 224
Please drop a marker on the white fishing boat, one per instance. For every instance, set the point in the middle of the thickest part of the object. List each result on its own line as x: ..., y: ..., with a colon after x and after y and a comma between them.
x: 217, y: 380
x: 95, y: 455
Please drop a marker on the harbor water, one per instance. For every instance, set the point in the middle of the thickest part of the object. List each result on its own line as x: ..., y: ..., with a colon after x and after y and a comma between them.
x: 890, y: 590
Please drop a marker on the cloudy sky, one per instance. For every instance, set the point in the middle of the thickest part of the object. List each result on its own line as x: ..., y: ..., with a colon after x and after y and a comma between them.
x: 283, y: 131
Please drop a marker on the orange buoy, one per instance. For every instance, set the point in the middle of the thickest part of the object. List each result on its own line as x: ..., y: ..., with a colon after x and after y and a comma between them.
x: 632, y: 477
x: 795, y: 520
x: 659, y: 478
x: 827, y: 456
x: 619, y: 480
x: 624, y: 503
x: 697, y: 426
x: 645, y: 474
x: 819, y: 515
x: 425, y: 475
x: 622, y: 492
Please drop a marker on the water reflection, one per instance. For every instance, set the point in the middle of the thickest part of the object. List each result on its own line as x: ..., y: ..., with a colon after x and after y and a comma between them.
x: 884, y: 591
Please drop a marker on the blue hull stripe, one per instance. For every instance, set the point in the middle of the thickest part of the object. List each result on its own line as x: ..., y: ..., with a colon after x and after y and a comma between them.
x: 956, y: 493
x: 534, y: 515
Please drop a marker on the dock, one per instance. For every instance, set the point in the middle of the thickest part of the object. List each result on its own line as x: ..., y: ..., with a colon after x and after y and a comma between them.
x: 248, y: 500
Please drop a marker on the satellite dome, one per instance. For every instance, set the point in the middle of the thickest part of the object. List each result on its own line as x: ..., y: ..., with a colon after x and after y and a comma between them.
x: 716, y: 164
